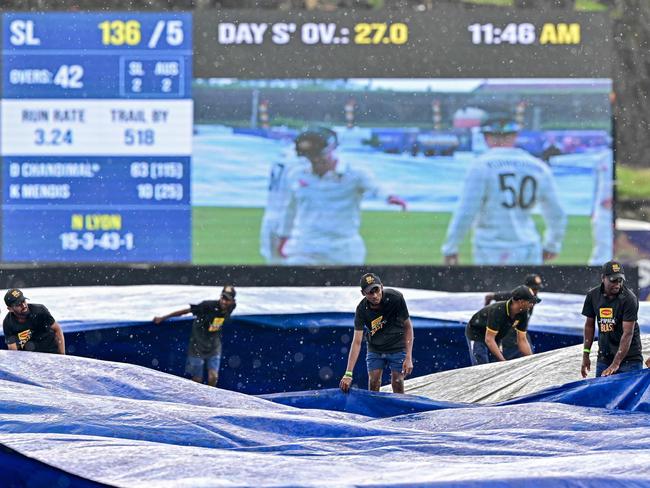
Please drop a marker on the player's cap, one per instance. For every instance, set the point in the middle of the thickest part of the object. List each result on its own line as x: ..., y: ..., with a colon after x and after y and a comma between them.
x: 534, y: 281
x: 369, y: 281
x: 524, y: 292
x: 500, y: 124
x: 14, y: 297
x: 229, y: 292
x: 613, y: 269
x: 315, y: 142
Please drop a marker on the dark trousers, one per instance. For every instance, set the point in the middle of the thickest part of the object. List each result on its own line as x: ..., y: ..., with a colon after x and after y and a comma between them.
x: 478, y: 352
x: 625, y: 367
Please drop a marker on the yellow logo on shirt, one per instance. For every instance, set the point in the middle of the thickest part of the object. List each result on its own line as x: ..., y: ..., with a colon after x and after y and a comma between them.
x: 377, y: 325
x: 216, y: 324
x: 606, y: 320
x: 24, y: 337
x: 606, y: 327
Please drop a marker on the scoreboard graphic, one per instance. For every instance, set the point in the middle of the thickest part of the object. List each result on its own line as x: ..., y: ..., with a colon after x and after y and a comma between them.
x: 133, y: 137
x: 96, y: 137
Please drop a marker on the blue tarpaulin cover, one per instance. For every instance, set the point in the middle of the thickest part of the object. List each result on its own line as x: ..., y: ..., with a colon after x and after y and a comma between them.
x: 284, y: 338
x: 87, y: 421
x: 77, y: 421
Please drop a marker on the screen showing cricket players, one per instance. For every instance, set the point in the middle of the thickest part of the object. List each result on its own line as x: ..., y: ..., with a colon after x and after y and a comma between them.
x: 244, y: 137
x: 412, y: 140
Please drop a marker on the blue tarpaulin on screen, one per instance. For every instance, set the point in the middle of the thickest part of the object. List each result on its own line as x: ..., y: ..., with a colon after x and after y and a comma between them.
x: 124, y: 425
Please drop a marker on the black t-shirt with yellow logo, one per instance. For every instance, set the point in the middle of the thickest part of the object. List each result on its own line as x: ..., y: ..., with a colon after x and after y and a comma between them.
x: 385, y: 325
x: 495, y: 317
x: 610, y: 315
x: 35, y: 334
x: 205, y: 339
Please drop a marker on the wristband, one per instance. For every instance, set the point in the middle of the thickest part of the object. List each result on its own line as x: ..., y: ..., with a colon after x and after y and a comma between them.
x: 586, y: 350
x: 348, y: 374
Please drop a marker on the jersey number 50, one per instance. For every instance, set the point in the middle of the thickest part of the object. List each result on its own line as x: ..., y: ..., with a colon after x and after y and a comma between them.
x: 522, y: 195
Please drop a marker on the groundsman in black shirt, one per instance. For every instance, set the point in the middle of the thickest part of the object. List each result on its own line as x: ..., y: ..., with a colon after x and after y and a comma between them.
x: 382, y: 316
x: 509, y: 344
x: 615, y: 309
x: 204, y: 348
x: 30, y: 327
x: 488, y: 327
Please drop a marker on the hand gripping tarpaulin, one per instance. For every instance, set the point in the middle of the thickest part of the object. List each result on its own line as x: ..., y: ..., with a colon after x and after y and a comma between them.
x: 125, y: 425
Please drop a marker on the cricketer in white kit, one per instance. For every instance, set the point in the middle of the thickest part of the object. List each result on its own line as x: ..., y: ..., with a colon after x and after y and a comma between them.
x: 322, y: 215
x: 502, y: 188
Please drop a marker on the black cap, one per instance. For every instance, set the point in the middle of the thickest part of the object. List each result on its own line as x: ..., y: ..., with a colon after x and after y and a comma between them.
x: 499, y: 124
x: 369, y: 281
x: 613, y: 269
x: 13, y: 297
x: 314, y: 142
x: 229, y: 292
x: 524, y: 292
x: 534, y: 281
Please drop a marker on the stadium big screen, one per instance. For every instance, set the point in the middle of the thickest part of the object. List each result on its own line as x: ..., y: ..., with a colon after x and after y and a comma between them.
x: 167, y: 137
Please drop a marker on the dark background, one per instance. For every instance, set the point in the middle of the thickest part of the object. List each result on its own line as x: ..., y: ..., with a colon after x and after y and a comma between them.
x: 439, y: 46
x: 560, y: 279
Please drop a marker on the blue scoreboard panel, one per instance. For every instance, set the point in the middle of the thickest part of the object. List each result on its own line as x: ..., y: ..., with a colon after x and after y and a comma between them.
x: 96, y: 137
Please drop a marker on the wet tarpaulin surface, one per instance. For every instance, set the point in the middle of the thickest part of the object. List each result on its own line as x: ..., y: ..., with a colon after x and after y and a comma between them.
x: 125, y: 425
x: 497, y: 382
x: 281, y: 339
x: 81, y: 307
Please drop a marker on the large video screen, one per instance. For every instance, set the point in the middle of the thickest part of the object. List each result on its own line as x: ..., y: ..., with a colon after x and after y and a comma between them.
x: 417, y: 140
x: 131, y: 137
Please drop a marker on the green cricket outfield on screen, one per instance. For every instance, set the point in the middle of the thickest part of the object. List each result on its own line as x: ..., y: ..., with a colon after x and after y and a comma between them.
x: 416, y: 139
x: 390, y: 237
